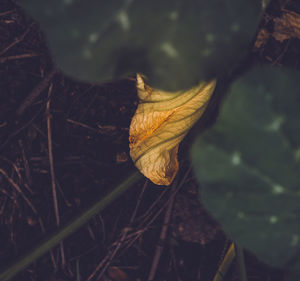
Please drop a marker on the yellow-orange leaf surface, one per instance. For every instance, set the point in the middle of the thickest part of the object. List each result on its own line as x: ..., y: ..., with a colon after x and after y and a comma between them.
x: 161, y: 121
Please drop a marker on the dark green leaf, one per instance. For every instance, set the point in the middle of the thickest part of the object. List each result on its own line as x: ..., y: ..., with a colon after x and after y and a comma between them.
x: 175, y: 43
x: 248, y: 164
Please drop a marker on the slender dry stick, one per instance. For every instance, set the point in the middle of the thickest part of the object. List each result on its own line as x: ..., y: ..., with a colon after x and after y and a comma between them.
x: 142, y: 228
x: 16, y: 41
x: 2, y: 145
x: 134, y: 214
x: 139, y: 200
x: 17, y: 57
x: 124, y: 234
x: 173, y: 261
x: 163, y: 234
x: 67, y: 202
x: 176, y: 191
x: 162, y: 237
x: 113, y: 253
x: 17, y: 169
x: 18, y: 189
x: 148, y: 212
x: 52, y: 173
x: 35, y: 92
x: 82, y: 125
x: 26, y: 165
x: 50, y: 155
x: 103, y: 228
x: 97, y: 268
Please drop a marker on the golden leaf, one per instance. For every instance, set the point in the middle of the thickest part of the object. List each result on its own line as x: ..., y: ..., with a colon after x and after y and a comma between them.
x: 287, y: 26
x: 161, y: 121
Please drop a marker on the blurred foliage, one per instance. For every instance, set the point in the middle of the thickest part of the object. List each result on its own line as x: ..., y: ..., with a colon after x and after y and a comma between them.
x: 174, y: 43
x: 248, y: 165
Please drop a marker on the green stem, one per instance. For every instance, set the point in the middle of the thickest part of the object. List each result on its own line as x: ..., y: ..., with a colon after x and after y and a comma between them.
x: 241, y: 262
x: 37, y: 252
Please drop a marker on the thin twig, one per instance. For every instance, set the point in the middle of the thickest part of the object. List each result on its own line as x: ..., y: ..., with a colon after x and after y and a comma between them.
x: 67, y: 202
x: 138, y: 203
x: 114, y: 252
x: 150, y: 209
x: 103, y: 228
x: 97, y: 268
x: 17, y: 188
x: 275, y: 62
x: 52, y: 173
x: 35, y: 92
x: 16, y: 41
x: 162, y: 237
x: 174, y: 263
x: 50, y: 154
x: 142, y: 228
x: 2, y: 146
x: 124, y: 234
x: 17, y: 170
x: 26, y: 165
x: 164, y: 230
x: 178, y: 187
x: 109, y: 257
x: 17, y: 57
x: 81, y: 124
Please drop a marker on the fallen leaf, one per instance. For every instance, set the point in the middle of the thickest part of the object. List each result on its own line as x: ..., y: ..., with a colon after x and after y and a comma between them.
x: 161, y: 121
x: 287, y: 26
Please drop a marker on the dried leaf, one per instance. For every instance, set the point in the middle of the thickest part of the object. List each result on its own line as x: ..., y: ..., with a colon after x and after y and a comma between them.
x: 287, y: 26
x: 262, y: 37
x: 161, y: 121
